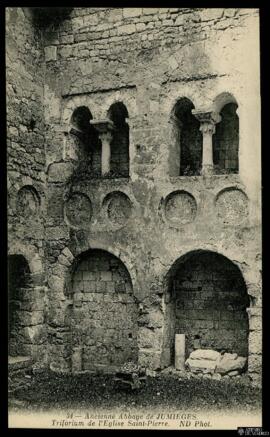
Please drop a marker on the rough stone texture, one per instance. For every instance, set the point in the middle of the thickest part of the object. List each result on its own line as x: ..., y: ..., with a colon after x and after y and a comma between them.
x: 232, y: 206
x: 78, y: 210
x: 26, y: 180
x: 103, y: 318
x: 228, y: 363
x: 210, y: 304
x: 148, y: 61
x: 180, y: 208
x: 202, y: 365
x: 210, y: 361
x: 204, y: 354
x: 119, y: 208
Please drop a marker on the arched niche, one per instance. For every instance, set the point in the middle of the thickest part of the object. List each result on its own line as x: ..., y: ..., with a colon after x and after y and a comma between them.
x: 206, y: 299
x: 226, y: 136
x: 186, y: 150
x: 119, y: 164
x: 102, y: 318
x: 19, y: 281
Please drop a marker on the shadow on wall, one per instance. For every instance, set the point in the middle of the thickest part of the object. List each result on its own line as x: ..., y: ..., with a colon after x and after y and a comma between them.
x: 19, y: 280
x: 44, y: 17
x: 206, y: 299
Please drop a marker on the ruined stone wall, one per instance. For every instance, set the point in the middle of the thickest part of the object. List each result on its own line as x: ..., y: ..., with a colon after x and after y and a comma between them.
x: 104, y: 316
x: 26, y: 173
x: 148, y: 59
x: 210, y: 305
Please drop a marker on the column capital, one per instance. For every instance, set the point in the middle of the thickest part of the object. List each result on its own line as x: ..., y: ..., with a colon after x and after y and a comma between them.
x: 207, y: 117
x: 103, y: 126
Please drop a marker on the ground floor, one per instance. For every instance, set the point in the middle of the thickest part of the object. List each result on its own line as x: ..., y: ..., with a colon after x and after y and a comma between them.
x: 89, y: 314
x: 172, y: 398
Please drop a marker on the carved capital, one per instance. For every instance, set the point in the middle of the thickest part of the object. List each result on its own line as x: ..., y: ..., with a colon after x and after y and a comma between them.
x: 207, y: 128
x: 105, y: 137
x: 105, y: 129
x: 208, y: 120
x: 102, y: 126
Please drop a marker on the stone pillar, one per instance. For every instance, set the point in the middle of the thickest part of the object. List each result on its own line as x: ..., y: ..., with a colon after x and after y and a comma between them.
x: 208, y: 121
x: 180, y: 351
x: 76, y: 359
x: 104, y: 128
x: 106, y: 138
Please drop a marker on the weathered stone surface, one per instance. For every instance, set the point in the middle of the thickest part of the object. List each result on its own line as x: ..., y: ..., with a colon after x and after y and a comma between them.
x: 232, y: 206
x: 180, y: 208
x: 233, y: 373
x: 50, y: 53
x: 202, y: 365
x: 149, y: 359
x: 145, y: 60
x: 227, y: 364
x: 60, y: 171
x: 78, y: 209
x: 216, y: 376
x: 204, y: 354
x: 180, y: 351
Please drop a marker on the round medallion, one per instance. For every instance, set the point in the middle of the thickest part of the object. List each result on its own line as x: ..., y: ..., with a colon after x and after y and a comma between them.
x: 78, y: 210
x: 180, y: 208
x: 232, y: 206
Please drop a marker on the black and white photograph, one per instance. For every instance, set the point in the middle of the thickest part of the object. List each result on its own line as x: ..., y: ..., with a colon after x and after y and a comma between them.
x: 134, y: 218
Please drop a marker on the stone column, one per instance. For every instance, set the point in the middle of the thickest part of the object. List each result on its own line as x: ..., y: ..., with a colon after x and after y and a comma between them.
x: 180, y: 351
x: 208, y: 122
x: 105, y: 129
x: 106, y: 138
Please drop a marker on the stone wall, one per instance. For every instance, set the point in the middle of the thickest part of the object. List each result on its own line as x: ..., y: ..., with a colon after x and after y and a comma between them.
x: 26, y: 174
x: 104, y: 316
x: 148, y: 59
x: 210, y: 304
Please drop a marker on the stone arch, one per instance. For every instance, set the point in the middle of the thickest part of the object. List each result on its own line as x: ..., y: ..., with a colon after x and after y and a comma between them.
x: 119, y: 164
x: 206, y: 299
x: 186, y: 152
x: 101, y: 317
x: 226, y: 136
x: 83, y: 143
x: 19, y: 280
x: 94, y: 244
x: 30, y: 254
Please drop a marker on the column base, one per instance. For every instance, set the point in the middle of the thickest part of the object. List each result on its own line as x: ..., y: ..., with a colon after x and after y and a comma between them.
x: 207, y: 170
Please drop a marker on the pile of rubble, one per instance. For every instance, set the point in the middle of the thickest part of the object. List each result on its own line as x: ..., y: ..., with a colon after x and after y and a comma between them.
x: 208, y: 361
x: 130, y: 375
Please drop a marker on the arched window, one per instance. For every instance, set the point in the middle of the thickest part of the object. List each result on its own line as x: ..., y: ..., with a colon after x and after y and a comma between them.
x: 188, y: 139
x: 226, y: 140
x: 86, y: 141
x: 119, y: 164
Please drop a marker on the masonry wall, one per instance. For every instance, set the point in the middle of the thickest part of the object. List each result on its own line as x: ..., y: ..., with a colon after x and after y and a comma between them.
x: 26, y: 172
x: 210, y: 305
x: 103, y: 321
x: 148, y: 59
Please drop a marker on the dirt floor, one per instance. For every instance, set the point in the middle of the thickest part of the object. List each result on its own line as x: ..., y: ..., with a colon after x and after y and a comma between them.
x: 49, y: 391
